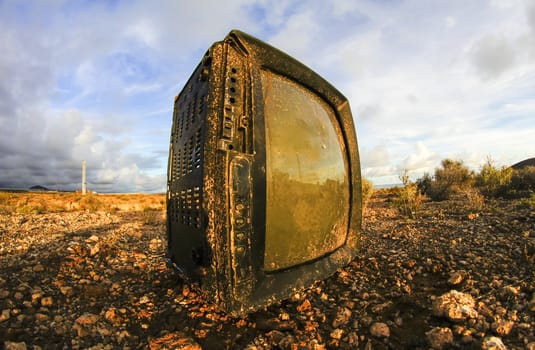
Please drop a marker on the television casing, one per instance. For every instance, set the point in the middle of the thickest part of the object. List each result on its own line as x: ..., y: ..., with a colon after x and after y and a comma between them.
x: 216, y: 189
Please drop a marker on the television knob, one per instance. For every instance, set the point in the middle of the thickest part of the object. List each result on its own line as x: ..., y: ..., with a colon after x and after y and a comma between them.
x: 240, y: 250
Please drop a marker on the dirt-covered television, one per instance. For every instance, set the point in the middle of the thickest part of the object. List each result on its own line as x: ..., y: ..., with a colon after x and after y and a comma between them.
x: 264, y: 184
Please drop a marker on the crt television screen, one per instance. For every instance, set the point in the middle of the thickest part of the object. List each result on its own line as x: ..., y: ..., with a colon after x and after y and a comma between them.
x: 264, y: 192
x: 307, y: 205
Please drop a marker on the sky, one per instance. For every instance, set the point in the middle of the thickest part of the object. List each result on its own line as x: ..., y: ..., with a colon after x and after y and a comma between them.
x: 96, y: 80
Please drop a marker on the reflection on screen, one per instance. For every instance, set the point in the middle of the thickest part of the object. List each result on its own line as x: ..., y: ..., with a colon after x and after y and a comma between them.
x: 307, y: 184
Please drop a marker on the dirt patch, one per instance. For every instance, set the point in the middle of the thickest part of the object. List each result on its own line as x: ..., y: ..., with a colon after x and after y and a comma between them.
x: 80, y: 279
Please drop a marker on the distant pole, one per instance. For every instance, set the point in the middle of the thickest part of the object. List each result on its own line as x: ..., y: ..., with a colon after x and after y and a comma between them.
x: 83, y: 178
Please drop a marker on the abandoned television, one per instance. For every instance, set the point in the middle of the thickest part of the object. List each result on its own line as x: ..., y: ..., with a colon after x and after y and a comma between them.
x: 264, y: 186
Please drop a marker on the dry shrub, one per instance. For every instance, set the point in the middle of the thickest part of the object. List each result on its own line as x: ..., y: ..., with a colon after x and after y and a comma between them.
x: 493, y: 182
x: 450, y: 179
x: 91, y: 203
x: 522, y: 182
x: 367, y: 191
x: 39, y: 207
x: 150, y: 215
x: 5, y: 207
x: 408, y: 198
x: 475, y: 200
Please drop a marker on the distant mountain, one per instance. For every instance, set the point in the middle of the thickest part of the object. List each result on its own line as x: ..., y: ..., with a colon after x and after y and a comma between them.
x: 39, y: 188
x: 524, y: 163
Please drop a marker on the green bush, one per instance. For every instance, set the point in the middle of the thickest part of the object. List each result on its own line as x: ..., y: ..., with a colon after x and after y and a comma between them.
x: 367, y: 191
x: 493, y: 182
x: 408, y: 198
x: 522, y: 182
x: 451, y: 178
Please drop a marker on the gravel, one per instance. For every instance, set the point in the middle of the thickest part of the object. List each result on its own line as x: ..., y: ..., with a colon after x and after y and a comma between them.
x: 453, y: 278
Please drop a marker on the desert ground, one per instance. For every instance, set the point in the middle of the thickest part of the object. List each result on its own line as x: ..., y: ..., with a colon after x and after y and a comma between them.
x: 90, y: 273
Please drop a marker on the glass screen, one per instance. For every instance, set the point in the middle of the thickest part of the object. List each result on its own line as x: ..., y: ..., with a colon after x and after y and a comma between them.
x: 307, y: 183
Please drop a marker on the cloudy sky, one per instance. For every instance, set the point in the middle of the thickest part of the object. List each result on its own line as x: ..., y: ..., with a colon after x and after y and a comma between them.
x: 95, y: 81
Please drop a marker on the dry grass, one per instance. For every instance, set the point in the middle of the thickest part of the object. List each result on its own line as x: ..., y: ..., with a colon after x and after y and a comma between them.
x: 39, y: 203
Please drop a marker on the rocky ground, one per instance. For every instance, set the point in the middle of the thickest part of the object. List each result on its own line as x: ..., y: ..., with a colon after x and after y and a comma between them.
x: 450, y: 279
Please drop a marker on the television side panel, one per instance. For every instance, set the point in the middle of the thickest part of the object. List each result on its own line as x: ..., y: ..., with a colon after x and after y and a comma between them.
x: 187, y: 247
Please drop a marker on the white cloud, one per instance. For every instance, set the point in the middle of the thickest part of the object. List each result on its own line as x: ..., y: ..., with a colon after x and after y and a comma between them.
x: 493, y: 55
x: 96, y: 81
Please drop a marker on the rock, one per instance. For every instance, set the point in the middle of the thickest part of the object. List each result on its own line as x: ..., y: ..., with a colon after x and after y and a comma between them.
x: 41, y: 317
x: 380, y: 330
x: 47, y: 301
x: 455, y: 305
x: 36, y: 296
x: 176, y: 340
x: 67, y: 291
x: 83, y: 324
x: 5, y: 315
x: 8, y: 345
x: 87, y: 319
x: 92, y: 239
x: 342, y: 317
x: 503, y: 327
x: 337, y: 334
x: 456, y: 278
x: 532, y: 302
x: 93, y: 250
x: 493, y: 343
x: 38, y: 268
x: 440, y: 338
x: 305, y: 306
x: 353, y: 340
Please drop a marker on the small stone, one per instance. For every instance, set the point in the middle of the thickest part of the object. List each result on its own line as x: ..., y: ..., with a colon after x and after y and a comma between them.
x: 380, y: 330
x: 36, y: 297
x: 532, y: 303
x: 8, y: 345
x: 353, y: 339
x: 93, y: 238
x: 492, y: 343
x: 41, y: 317
x: 5, y: 315
x: 337, y: 333
x: 66, y: 290
x: 440, y: 338
x: 4, y: 294
x: 305, y: 306
x: 38, y: 268
x: 94, y: 250
x: 456, y: 278
x: 342, y: 317
x: 175, y: 340
x: 87, y: 319
x: 503, y: 327
x: 284, y: 316
x: 18, y: 296
x: 510, y: 291
x: 47, y: 301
